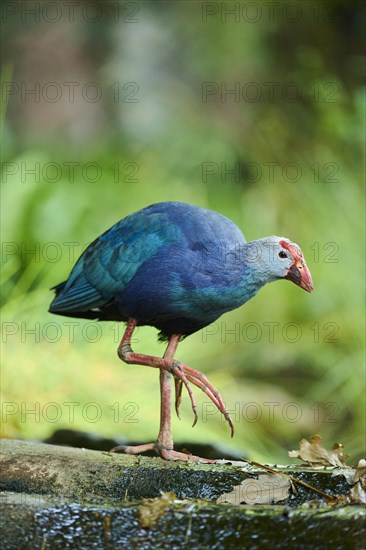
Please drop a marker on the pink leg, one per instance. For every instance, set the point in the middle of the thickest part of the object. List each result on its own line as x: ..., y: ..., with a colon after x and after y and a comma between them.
x: 164, y: 443
x: 165, y: 440
x: 182, y: 375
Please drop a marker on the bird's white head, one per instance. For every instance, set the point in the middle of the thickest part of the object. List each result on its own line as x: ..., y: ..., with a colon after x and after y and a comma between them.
x: 281, y: 259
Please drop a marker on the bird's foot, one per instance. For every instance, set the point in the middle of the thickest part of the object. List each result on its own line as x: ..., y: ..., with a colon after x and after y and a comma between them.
x: 166, y: 454
x: 170, y: 454
x: 188, y: 375
x: 133, y: 449
x: 183, y: 375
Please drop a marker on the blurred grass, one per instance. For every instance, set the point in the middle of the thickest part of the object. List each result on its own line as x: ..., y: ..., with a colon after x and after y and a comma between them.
x: 312, y: 385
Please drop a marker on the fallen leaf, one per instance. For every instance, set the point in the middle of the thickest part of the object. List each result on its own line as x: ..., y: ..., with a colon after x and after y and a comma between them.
x: 357, y: 494
x: 153, y: 508
x: 360, y: 472
x: 268, y: 488
x: 345, y: 471
x: 352, y: 475
x: 315, y: 454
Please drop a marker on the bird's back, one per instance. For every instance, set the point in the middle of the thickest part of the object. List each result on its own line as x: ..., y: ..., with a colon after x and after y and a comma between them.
x: 166, y: 265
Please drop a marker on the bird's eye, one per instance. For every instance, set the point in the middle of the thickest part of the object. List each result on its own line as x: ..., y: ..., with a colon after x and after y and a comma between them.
x: 282, y: 254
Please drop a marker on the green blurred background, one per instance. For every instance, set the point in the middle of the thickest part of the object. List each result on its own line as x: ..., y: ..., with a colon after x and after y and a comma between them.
x: 131, y: 105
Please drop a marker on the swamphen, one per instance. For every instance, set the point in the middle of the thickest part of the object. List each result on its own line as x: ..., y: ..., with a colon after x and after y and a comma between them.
x: 175, y: 267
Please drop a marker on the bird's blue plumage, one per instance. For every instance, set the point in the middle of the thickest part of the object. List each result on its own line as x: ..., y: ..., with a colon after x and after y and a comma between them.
x: 171, y: 265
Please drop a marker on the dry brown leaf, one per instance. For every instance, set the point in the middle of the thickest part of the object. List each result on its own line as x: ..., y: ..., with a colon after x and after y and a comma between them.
x: 314, y: 453
x: 360, y: 472
x: 357, y: 494
x: 352, y: 475
x: 268, y: 488
x: 152, y: 508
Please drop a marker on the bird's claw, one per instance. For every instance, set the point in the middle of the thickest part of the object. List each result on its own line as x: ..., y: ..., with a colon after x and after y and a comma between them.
x: 170, y: 454
x: 182, y: 375
x: 178, y: 395
x: 180, y: 378
x: 133, y: 449
x: 178, y: 400
x: 186, y: 375
x: 160, y: 450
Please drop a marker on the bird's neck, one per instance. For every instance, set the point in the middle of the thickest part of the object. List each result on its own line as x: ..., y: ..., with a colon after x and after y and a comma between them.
x: 254, y: 274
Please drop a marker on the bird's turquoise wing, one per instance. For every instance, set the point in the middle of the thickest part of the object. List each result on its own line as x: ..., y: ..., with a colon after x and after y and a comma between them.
x: 111, y: 261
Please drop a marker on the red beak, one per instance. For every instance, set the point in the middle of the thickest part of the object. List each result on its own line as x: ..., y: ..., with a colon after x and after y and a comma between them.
x: 300, y: 275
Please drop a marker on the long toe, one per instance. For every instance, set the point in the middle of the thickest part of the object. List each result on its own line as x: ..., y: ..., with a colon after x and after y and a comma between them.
x: 133, y: 449
x: 201, y: 381
x: 166, y: 454
x: 170, y: 454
